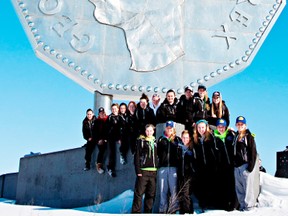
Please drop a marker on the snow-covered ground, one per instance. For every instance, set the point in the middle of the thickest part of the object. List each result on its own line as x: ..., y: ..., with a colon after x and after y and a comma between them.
x: 273, y: 201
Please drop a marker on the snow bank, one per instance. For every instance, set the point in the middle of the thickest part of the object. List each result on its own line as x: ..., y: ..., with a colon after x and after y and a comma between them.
x: 273, y: 200
x: 273, y: 191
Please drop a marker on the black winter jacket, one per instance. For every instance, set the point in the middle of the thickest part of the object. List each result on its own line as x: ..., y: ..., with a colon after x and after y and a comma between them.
x: 186, y: 161
x: 88, y: 128
x: 245, y: 151
x: 144, y: 117
x: 201, y: 108
x: 206, y: 155
x: 101, y: 129
x: 225, y: 150
x: 167, y: 151
x: 167, y: 112
x: 145, y: 156
x: 225, y: 115
x: 114, y: 127
x: 185, y: 109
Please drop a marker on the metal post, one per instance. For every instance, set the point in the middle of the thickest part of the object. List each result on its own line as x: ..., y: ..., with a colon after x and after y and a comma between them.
x: 102, y: 100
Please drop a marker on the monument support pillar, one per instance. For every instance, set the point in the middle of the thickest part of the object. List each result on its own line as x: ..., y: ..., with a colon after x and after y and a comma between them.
x: 102, y: 100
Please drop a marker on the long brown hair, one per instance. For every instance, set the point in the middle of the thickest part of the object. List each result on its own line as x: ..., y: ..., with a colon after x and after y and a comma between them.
x: 190, y: 142
x: 196, y: 135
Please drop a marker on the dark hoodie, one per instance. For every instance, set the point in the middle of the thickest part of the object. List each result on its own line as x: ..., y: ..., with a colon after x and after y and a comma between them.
x: 144, y: 117
x: 101, y: 128
x: 167, y: 112
x: 88, y: 128
x: 185, y: 110
x: 167, y: 151
x: 245, y: 151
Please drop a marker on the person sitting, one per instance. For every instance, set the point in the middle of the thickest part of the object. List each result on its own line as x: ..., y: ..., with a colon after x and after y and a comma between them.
x: 144, y: 115
x: 185, y: 109
x: 201, y: 104
x: 218, y: 110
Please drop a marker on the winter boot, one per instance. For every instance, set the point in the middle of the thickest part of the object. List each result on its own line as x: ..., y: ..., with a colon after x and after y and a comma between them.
x: 99, y: 168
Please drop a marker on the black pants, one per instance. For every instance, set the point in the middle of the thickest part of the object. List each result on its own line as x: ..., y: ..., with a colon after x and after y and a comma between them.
x: 124, y: 147
x: 112, y: 154
x: 185, y: 192
x: 102, y: 148
x: 90, y: 146
x: 145, y: 184
x: 225, y: 188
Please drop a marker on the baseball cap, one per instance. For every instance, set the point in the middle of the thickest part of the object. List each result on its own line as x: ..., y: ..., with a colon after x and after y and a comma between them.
x: 101, y: 109
x: 170, y: 124
x: 188, y: 88
x: 240, y: 119
x: 216, y: 94
x: 201, y: 87
x: 221, y: 122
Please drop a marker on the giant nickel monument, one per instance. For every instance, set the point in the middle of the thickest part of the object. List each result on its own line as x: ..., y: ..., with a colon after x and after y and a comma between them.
x: 124, y: 47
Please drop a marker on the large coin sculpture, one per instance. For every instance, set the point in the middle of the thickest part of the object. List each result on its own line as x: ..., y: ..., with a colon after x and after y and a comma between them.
x: 126, y: 47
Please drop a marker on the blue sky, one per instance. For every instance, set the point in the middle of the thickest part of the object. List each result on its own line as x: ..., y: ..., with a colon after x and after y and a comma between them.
x: 42, y: 110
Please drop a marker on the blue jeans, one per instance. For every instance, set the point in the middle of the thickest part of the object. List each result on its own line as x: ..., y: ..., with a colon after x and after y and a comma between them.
x: 168, y: 183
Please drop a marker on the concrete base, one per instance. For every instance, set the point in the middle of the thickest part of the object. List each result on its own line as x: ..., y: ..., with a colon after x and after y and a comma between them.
x: 8, y: 185
x: 58, y: 180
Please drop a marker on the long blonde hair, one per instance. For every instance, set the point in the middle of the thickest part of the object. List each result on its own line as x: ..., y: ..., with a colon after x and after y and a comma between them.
x: 220, y: 108
x: 241, y: 134
x: 206, y: 99
x: 173, y: 135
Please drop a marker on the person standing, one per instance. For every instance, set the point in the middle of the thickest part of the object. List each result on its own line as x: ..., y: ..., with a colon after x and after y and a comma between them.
x: 132, y: 126
x: 245, y: 155
x: 101, y: 138
x: 114, y: 137
x: 124, y: 127
x: 186, y: 174
x: 89, y: 136
x: 205, y: 164
x: 225, y: 173
x: 145, y: 161
x: 168, y: 161
x: 167, y: 110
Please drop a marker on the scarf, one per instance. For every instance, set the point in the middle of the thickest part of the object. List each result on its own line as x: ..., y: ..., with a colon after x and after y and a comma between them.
x: 221, y: 136
x: 151, y: 141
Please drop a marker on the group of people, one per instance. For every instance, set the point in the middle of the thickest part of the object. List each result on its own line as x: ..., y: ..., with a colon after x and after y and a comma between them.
x: 209, y: 160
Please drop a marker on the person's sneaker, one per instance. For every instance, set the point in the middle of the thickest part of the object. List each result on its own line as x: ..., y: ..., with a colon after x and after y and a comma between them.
x: 99, y: 168
x: 86, y: 168
x: 122, y: 160
x: 111, y: 173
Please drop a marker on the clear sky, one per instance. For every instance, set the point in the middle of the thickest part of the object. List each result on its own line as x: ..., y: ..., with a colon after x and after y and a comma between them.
x: 41, y: 110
